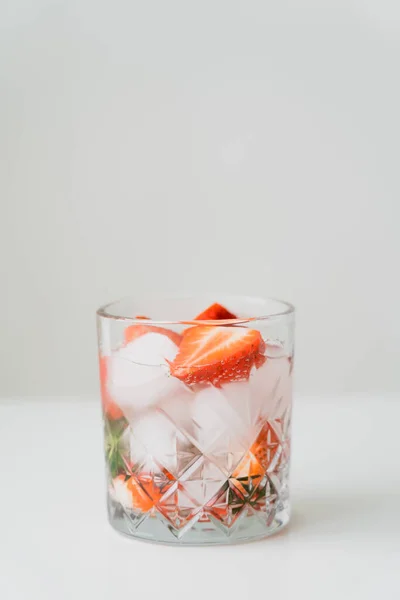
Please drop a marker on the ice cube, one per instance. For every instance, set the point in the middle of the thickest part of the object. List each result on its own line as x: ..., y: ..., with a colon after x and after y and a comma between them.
x: 139, y: 373
x: 158, y: 438
x: 217, y: 428
x: 150, y: 349
x: 120, y: 493
x: 207, y: 422
x: 246, y: 407
x: 152, y: 439
x: 271, y: 386
x: 274, y: 349
x: 177, y: 406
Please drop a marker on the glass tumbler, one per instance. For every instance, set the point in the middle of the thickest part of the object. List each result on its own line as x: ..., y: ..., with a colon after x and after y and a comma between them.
x: 196, y: 396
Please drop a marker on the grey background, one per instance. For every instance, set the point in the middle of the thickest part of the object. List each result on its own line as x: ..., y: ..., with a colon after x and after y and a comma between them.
x: 248, y: 147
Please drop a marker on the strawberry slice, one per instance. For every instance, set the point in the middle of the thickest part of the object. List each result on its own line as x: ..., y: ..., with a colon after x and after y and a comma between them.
x: 266, y: 446
x: 217, y: 354
x: 144, y: 492
x: 134, y: 331
x: 215, y: 312
x: 258, y: 459
x: 133, y: 493
x: 111, y: 410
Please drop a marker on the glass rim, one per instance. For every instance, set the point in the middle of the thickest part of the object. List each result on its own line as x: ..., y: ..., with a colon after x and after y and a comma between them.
x: 287, y: 310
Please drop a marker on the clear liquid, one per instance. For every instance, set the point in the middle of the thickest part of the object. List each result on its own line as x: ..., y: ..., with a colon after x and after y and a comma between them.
x: 206, y: 466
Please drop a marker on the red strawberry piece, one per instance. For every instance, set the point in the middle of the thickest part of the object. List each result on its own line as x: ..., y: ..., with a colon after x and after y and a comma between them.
x: 266, y: 446
x: 217, y: 354
x: 215, y: 312
x: 111, y: 410
x: 260, y: 456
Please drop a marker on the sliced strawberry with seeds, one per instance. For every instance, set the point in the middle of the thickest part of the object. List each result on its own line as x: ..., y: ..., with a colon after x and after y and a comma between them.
x: 134, y: 331
x: 215, y: 312
x: 217, y: 354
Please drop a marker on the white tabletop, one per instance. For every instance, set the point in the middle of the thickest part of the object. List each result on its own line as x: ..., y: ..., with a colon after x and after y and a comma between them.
x: 343, y: 540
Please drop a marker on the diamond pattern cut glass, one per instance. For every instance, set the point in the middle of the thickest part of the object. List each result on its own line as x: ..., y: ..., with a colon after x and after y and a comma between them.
x: 197, y: 415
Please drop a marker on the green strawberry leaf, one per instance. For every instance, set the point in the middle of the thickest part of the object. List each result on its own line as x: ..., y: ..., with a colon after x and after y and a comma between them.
x: 113, y: 432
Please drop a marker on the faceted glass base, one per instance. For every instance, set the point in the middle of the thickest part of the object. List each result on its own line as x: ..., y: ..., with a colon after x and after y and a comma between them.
x: 250, y: 525
x: 234, y: 497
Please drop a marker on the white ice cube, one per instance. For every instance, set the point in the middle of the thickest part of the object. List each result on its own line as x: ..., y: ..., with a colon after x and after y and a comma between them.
x: 159, y: 437
x: 208, y: 425
x: 139, y: 373
x: 177, y: 406
x: 247, y: 408
x: 216, y: 423
x: 120, y: 492
x: 152, y: 439
x: 150, y: 349
x: 271, y: 386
